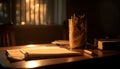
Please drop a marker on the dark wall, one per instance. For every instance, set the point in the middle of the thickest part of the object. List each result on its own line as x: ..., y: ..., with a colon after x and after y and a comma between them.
x: 102, y: 17
x: 37, y: 34
x: 110, y: 16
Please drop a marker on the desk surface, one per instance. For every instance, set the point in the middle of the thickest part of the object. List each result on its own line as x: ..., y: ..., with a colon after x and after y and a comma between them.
x: 4, y: 62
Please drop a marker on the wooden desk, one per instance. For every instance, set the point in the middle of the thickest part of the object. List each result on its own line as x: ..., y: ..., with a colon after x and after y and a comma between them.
x: 110, y: 57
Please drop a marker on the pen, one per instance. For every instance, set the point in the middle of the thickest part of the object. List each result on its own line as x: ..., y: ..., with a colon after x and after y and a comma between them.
x: 90, y: 52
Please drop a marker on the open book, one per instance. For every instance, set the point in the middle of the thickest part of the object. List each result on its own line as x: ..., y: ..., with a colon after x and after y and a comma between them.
x: 40, y: 52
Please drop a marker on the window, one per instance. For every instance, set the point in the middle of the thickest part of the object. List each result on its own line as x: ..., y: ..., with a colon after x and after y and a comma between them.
x: 4, y: 11
x: 39, y: 12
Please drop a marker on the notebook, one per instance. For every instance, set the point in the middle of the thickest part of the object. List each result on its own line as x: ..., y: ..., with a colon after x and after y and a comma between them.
x: 40, y: 53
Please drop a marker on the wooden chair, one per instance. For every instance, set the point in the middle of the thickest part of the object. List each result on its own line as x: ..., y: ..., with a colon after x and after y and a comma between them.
x: 7, y: 36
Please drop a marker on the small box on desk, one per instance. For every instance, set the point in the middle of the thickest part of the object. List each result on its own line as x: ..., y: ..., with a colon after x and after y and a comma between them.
x: 109, y: 44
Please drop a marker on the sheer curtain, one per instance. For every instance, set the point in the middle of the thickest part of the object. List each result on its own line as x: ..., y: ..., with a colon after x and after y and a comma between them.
x: 40, y: 12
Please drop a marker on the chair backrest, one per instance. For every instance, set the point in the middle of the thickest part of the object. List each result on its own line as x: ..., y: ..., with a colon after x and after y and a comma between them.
x: 7, y: 36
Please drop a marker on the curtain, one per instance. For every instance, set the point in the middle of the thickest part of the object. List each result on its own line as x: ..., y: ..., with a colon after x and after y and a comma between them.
x: 40, y: 12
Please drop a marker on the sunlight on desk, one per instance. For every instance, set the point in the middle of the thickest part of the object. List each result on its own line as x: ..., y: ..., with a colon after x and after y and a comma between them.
x: 31, y: 45
x: 32, y: 64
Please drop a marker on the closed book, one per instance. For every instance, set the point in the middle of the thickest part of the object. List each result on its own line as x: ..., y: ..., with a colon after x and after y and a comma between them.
x: 109, y: 45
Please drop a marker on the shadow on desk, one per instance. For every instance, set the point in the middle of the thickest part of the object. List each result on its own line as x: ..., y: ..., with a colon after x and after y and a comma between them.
x: 108, y: 62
